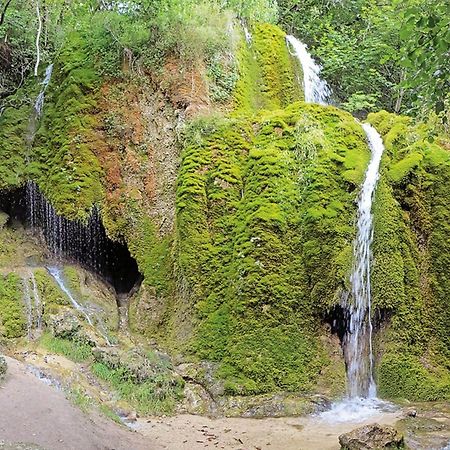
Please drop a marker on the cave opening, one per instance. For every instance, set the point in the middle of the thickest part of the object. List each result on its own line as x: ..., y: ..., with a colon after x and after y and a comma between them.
x: 338, y: 318
x: 86, y: 244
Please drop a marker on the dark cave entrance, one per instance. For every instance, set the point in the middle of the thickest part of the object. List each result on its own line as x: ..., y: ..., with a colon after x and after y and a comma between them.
x: 72, y: 241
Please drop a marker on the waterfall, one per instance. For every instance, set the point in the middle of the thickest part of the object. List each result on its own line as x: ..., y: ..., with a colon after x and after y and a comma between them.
x: 37, y: 301
x: 57, y: 274
x: 316, y: 90
x: 66, y: 238
x: 358, y: 339
x: 28, y: 306
x: 39, y: 104
x: 247, y: 34
x: 32, y: 304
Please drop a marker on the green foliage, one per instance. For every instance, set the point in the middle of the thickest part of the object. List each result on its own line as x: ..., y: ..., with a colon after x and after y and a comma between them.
x: 154, y: 396
x: 426, y: 30
x: 12, y: 310
x: 71, y: 349
x: 358, y: 43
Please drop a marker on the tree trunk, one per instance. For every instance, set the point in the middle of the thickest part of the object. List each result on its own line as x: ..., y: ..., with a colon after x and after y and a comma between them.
x: 38, y: 38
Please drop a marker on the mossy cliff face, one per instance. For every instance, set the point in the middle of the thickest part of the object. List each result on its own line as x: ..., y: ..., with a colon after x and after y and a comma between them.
x: 410, y: 268
x: 268, y: 74
x: 266, y: 208
x: 245, y: 244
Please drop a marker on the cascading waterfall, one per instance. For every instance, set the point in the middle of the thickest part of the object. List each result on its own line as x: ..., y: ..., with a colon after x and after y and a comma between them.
x: 66, y: 238
x: 39, y: 104
x: 57, y: 274
x: 37, y: 301
x: 316, y: 90
x: 358, y: 339
x: 28, y: 306
x: 32, y: 304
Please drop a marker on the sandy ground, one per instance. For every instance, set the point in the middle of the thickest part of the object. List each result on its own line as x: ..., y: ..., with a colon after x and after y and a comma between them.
x: 34, y: 412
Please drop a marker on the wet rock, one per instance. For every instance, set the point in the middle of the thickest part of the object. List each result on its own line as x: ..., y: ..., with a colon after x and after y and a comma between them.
x: 89, y: 337
x: 196, y: 400
x: 203, y: 374
x: 3, y: 367
x: 131, y: 417
x: 64, y: 324
x: 372, y: 436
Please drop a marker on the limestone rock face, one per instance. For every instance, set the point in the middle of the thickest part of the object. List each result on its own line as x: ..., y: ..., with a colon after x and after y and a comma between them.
x: 372, y: 436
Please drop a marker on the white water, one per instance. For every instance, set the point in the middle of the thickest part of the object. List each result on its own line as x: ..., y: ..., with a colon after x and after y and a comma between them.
x: 37, y: 302
x: 39, y: 104
x: 56, y: 273
x: 29, y: 307
x: 247, y: 34
x: 358, y: 339
x: 316, y: 90
x: 356, y: 410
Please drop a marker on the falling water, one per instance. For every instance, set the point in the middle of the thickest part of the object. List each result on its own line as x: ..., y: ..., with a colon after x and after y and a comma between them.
x: 247, y: 34
x: 66, y: 238
x: 39, y: 104
x: 28, y: 306
x: 358, y: 340
x: 56, y: 273
x: 37, y: 301
x: 316, y: 90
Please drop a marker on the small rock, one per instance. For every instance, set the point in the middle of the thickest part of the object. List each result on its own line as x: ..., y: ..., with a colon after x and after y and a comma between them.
x: 131, y: 417
x: 372, y: 436
x: 411, y: 413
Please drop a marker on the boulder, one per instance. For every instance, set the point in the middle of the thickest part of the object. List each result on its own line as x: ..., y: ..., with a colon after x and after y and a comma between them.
x: 372, y: 436
x: 3, y: 367
x: 64, y: 324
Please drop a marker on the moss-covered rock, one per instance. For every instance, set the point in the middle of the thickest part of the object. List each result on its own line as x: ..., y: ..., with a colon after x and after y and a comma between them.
x: 268, y: 75
x: 411, y: 245
x: 263, y: 244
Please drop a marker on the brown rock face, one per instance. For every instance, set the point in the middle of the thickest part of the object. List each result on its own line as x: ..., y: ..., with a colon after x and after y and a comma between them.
x: 372, y: 437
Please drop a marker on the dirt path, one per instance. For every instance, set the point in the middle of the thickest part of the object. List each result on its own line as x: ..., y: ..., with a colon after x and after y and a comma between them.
x: 33, y: 412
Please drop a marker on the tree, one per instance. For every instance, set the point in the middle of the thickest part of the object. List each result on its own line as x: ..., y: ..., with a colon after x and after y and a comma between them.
x: 426, y: 55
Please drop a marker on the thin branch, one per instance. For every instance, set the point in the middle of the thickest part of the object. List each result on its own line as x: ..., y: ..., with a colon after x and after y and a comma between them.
x: 3, y: 15
x: 38, y: 38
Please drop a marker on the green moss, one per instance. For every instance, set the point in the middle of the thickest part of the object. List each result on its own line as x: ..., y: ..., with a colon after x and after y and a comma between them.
x: 404, y: 377
x: 157, y: 395
x: 263, y: 244
x: 12, y: 308
x: 409, y: 278
x: 267, y: 73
